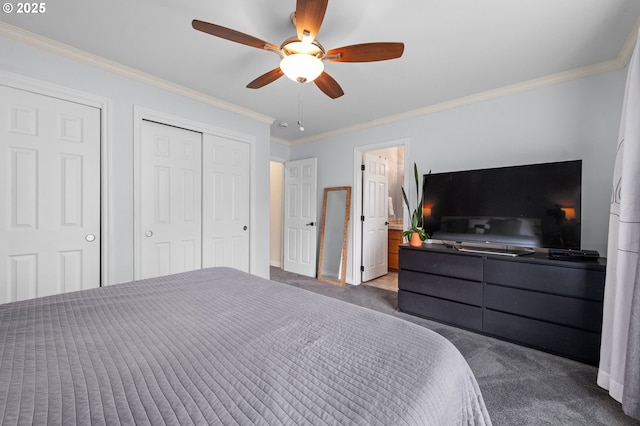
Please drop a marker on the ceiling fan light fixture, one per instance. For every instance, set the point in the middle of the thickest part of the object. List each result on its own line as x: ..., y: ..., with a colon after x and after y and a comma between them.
x: 302, y: 56
x: 301, y: 67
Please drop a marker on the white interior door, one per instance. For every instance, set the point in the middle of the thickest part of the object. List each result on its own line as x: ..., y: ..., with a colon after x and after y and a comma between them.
x: 375, y: 207
x: 170, y: 200
x: 226, y: 194
x: 300, y: 216
x: 50, y: 192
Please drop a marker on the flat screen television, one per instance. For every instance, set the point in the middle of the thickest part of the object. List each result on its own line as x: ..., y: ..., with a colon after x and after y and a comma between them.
x: 533, y: 206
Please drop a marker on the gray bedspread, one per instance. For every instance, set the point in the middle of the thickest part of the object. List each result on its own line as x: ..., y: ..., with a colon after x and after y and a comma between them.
x: 218, y: 346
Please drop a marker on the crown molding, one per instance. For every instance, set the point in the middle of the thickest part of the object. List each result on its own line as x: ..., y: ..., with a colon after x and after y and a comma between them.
x: 280, y: 141
x: 61, y: 49
x: 627, y: 48
x: 70, y: 52
x: 621, y: 61
x: 537, y: 83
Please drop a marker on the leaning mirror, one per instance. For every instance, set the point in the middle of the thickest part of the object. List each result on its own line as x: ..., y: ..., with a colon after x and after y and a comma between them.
x: 332, y: 263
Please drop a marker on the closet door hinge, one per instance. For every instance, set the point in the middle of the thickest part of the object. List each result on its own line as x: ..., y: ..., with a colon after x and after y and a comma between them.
x: 362, y: 167
x: 361, y: 268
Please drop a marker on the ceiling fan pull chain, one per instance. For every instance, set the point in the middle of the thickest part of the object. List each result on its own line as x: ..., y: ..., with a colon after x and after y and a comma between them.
x: 300, y: 108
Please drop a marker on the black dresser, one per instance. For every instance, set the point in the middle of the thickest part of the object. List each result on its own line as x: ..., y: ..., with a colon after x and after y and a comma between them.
x: 551, y: 305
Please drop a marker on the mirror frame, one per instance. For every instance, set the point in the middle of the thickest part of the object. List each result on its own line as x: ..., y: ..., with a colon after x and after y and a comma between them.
x: 345, y: 238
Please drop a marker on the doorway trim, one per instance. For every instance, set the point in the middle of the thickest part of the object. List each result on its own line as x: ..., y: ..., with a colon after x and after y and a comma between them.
x: 356, y: 250
x: 278, y: 196
x: 104, y: 105
x: 140, y: 114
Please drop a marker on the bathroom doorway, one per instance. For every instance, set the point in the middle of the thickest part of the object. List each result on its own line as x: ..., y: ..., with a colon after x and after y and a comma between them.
x: 394, y: 156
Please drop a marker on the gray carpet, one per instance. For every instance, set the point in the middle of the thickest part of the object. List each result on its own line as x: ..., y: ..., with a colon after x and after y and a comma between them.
x: 521, y: 386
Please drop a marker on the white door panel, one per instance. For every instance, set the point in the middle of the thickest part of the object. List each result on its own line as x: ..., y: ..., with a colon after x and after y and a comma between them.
x: 226, y: 210
x: 50, y: 187
x: 194, y: 201
x: 300, y: 216
x: 375, y: 211
x: 170, y: 200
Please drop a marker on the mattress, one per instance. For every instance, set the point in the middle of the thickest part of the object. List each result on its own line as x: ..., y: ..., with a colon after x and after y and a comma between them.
x: 219, y: 346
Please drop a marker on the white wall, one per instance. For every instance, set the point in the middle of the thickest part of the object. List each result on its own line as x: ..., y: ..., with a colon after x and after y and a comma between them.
x: 280, y: 152
x: 573, y: 120
x: 123, y: 94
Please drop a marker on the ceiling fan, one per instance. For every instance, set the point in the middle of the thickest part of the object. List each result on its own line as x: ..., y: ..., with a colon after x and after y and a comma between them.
x: 302, y: 56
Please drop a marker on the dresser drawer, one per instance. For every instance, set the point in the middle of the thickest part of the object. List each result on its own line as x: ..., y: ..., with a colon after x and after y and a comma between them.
x: 568, y: 281
x: 454, y: 265
x: 453, y: 313
x: 469, y: 292
x: 543, y: 303
x: 572, y: 343
x: 578, y: 313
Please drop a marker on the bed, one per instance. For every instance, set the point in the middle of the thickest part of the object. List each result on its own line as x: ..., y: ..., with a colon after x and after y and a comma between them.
x: 219, y: 346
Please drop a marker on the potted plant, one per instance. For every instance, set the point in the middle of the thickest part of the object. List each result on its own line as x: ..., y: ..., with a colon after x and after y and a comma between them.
x: 416, y: 233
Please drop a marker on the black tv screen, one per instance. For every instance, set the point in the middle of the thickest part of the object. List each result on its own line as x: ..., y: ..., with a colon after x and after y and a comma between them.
x: 537, y: 205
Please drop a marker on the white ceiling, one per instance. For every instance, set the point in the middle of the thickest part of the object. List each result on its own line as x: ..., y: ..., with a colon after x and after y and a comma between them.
x: 453, y: 49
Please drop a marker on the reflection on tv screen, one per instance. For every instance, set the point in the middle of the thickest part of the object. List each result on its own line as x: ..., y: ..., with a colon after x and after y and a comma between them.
x: 536, y: 205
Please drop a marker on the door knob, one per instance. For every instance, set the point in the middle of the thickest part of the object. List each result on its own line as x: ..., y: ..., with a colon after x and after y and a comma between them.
x: 148, y: 234
x: 244, y: 228
x: 90, y: 237
x: 386, y: 223
x: 310, y: 224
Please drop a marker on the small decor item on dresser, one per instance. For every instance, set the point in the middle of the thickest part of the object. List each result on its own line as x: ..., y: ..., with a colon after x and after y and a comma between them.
x: 416, y: 234
x: 569, y: 254
x: 416, y: 239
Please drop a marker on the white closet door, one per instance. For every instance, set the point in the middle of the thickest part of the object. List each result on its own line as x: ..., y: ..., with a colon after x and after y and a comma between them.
x: 50, y: 192
x: 300, y: 216
x: 226, y: 194
x: 375, y: 207
x: 170, y: 200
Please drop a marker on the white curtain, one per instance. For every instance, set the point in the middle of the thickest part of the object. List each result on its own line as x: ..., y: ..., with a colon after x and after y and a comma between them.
x: 619, y: 371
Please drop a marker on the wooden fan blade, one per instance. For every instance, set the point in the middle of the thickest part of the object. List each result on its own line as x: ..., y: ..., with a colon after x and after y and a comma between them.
x: 309, y: 16
x: 266, y: 78
x: 328, y: 85
x: 232, y: 35
x: 366, y: 52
